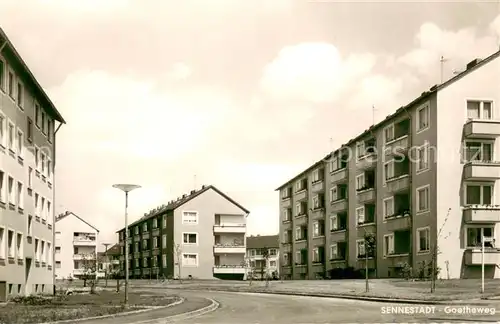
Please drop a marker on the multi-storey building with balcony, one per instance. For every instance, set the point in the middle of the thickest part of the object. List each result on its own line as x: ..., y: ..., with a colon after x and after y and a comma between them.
x: 76, y: 243
x: 109, y: 261
x: 425, y: 179
x: 27, y: 154
x: 200, y: 235
x: 263, y: 256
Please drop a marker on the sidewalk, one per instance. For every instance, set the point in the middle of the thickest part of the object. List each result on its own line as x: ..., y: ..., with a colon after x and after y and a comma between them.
x: 189, y: 305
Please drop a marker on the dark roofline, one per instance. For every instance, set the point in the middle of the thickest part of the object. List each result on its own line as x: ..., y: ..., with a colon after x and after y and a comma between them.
x: 426, y: 94
x: 71, y: 213
x: 178, y: 204
x: 4, y: 40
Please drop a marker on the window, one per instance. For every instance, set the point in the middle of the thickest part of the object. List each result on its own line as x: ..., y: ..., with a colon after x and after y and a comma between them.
x: 360, y: 215
x: 10, y: 84
x: 37, y: 205
x: 145, y: 262
x: 29, y: 130
x: 145, y: 244
x: 298, y: 256
x: 422, y: 118
x: 477, y: 109
x: 333, y: 223
x: 37, y: 158
x: 423, y: 199
x: 12, y: 136
x: 42, y: 163
x: 190, y: 238
x: 189, y: 217
x: 285, y: 237
x: 11, y: 247
x: 30, y: 225
x: 155, y: 242
x: 155, y: 223
x: 423, y: 158
x: 316, y: 255
x: 360, y: 181
x: 12, y: 193
x: 360, y: 248
x: 42, y: 208
x: 136, y: 263
x: 2, y: 75
x: 272, y: 264
x: 37, y: 115
x: 2, y: 242
x: 19, y: 245
x: 20, y: 195
x: 298, y: 233
x: 145, y: 227
x: 49, y: 130
x: 136, y: 230
x: 49, y: 253
x: 316, y: 229
x: 333, y: 194
x: 20, y: 95
x: 49, y: 169
x: 20, y: 143
x: 2, y: 187
x: 190, y: 259
x: 164, y: 241
x: 317, y: 202
x: 388, y: 244
x: 478, y: 151
x: 3, y: 123
x: 389, y: 133
x: 286, y: 214
x: 475, y: 236
x: 49, y: 210
x: 164, y: 260
x: 42, y: 122
x: 136, y: 247
x: 334, y: 164
x: 389, y: 207
x: 423, y: 239
x: 164, y: 219
x: 478, y: 194
x: 389, y: 170
x: 43, y: 255
x: 30, y: 177
x: 317, y: 175
x: 360, y: 149
x: 333, y: 252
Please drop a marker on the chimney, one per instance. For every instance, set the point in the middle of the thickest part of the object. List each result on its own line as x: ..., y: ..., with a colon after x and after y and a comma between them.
x: 473, y: 63
x: 184, y: 196
x: 203, y: 187
x: 192, y: 192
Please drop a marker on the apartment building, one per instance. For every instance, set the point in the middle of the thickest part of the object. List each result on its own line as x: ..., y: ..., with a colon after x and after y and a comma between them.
x: 263, y: 256
x: 199, y: 235
x: 27, y: 154
x: 426, y: 178
x: 76, y: 243
x: 109, y: 260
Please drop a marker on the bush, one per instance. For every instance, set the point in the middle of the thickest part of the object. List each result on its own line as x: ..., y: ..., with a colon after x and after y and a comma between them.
x: 32, y: 300
x: 407, y: 271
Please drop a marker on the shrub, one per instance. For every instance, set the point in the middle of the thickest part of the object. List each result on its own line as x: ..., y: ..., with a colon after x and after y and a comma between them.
x: 407, y: 271
x: 32, y: 300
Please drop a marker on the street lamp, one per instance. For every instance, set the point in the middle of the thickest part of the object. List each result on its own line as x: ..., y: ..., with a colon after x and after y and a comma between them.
x: 126, y: 188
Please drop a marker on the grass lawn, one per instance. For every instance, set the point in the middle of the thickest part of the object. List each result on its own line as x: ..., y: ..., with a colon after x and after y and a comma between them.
x: 39, y: 309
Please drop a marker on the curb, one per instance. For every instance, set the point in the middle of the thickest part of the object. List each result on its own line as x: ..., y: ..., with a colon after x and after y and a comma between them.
x: 340, y: 296
x: 207, y: 309
x: 146, y: 309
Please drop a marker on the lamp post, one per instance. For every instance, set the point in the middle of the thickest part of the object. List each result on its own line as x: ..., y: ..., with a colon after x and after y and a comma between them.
x: 126, y: 188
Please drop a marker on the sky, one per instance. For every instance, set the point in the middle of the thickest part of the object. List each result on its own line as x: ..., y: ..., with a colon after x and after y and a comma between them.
x: 242, y: 95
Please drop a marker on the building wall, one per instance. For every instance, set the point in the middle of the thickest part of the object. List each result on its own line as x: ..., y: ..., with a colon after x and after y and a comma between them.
x: 484, y: 84
x: 65, y: 230
x: 17, y: 166
x: 272, y: 264
x: 208, y: 204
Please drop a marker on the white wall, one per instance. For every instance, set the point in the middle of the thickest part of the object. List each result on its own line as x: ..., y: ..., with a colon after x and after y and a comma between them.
x: 483, y: 83
x: 67, y: 226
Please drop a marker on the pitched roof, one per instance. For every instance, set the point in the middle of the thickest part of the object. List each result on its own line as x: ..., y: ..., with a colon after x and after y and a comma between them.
x: 471, y: 66
x: 114, y: 250
x: 68, y: 213
x: 5, y: 43
x: 174, y: 204
x: 262, y: 241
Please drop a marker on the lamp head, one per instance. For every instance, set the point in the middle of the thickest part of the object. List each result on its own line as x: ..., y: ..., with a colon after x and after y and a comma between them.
x: 126, y: 187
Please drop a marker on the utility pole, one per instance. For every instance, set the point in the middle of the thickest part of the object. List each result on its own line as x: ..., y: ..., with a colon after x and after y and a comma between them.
x: 442, y: 60
x: 107, y: 263
x: 373, y: 114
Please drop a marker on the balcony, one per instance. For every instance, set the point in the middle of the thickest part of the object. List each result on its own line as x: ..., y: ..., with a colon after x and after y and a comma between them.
x: 367, y: 161
x: 146, y: 254
x: 339, y: 175
x: 482, y: 170
x: 300, y: 195
x: 78, y: 272
x: 145, y: 235
x: 339, y: 205
x: 482, y: 214
x: 229, y: 248
x: 477, y: 128
x: 474, y: 256
x: 397, y: 145
x: 229, y: 269
x: 230, y: 228
x: 156, y: 232
x: 84, y: 241
x: 318, y: 213
x: 366, y: 195
x: 397, y: 184
x: 318, y: 186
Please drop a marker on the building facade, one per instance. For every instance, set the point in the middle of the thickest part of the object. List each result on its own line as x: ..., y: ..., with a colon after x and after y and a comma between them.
x: 76, y: 244
x: 423, y: 182
x: 109, y: 261
x: 27, y: 158
x: 200, y: 235
x: 263, y: 256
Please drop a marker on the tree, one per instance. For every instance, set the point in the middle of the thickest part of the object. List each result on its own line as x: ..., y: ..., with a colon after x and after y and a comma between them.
x: 177, y: 249
x: 247, y: 265
x: 370, y: 247
x: 265, y: 254
x: 434, y: 270
x: 89, y: 265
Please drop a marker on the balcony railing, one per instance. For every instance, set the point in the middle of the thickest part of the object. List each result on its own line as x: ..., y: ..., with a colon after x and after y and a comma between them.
x: 229, y: 248
x: 229, y: 268
x: 230, y: 228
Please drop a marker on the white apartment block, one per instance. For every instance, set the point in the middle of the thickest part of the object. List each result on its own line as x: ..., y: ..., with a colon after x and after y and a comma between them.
x: 263, y: 256
x: 76, y: 247
x: 27, y: 159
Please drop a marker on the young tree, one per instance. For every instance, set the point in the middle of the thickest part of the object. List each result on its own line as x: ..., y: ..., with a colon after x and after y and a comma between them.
x: 177, y: 249
x: 265, y: 254
x: 370, y: 247
x: 90, y: 271
x: 434, y: 269
x: 247, y: 265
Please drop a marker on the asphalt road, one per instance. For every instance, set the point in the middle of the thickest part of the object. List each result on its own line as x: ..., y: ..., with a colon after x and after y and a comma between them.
x: 241, y: 308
